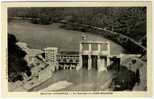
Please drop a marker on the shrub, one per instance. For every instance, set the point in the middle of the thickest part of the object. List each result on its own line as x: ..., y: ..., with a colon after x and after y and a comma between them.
x: 124, y: 80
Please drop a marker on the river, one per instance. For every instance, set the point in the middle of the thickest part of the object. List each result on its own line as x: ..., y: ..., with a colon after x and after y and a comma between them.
x: 40, y: 36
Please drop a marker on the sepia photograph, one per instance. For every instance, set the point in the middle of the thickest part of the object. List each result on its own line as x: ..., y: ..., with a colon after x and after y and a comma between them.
x: 73, y: 49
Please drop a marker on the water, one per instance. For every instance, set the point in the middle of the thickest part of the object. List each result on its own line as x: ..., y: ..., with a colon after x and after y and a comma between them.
x: 41, y: 36
x: 82, y: 80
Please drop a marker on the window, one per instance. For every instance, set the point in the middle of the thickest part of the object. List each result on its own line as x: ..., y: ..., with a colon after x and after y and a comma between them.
x: 104, y: 46
x: 71, y: 61
x: 94, y: 47
x: 85, y: 47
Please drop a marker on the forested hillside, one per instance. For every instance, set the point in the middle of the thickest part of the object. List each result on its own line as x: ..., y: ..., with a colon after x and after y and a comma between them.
x: 130, y: 21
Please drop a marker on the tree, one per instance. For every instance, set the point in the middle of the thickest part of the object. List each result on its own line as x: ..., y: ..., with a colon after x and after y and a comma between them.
x: 16, y: 63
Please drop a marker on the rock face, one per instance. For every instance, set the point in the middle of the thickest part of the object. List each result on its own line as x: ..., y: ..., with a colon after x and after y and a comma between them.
x: 40, y: 69
x: 29, y: 51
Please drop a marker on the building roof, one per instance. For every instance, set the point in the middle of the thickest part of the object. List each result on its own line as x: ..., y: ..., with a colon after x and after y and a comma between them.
x: 70, y: 53
x: 50, y: 48
x: 94, y: 42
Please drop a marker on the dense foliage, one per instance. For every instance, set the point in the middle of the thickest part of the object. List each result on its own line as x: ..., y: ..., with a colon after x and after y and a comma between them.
x: 124, y: 78
x: 130, y: 21
x: 16, y: 63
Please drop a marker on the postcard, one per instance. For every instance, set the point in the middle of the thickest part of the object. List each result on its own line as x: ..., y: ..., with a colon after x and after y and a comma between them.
x: 77, y: 48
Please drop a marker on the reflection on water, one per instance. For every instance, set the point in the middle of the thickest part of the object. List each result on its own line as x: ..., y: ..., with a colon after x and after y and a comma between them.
x: 83, y: 80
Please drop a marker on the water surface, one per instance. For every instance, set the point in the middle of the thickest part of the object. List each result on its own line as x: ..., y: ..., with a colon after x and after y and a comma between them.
x: 82, y: 80
x: 41, y: 36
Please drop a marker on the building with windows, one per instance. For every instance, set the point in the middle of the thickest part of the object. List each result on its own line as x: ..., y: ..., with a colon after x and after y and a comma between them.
x: 68, y: 60
x: 51, y: 57
x: 94, y: 54
x: 50, y: 54
x: 91, y: 55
